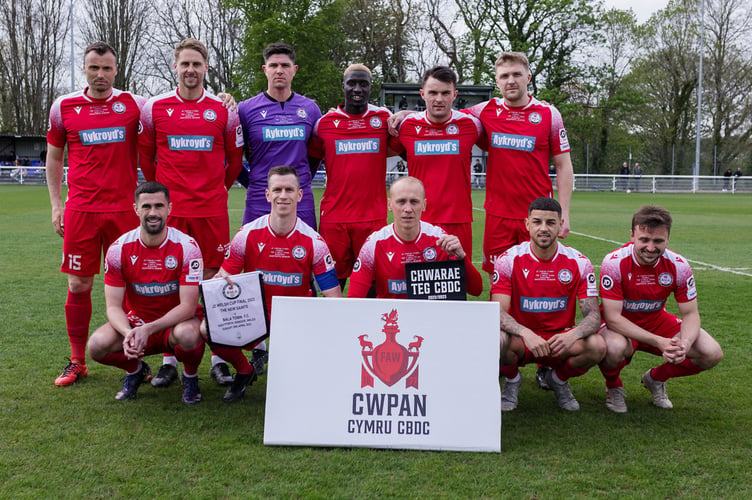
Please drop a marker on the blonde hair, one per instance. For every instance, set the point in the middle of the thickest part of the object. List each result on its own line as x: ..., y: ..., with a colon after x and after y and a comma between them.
x: 357, y: 67
x: 513, y: 57
x: 192, y: 44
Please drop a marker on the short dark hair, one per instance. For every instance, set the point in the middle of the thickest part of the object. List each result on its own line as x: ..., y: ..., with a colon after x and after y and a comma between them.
x: 282, y: 170
x: 651, y: 217
x: 442, y: 73
x: 101, y: 48
x: 279, y: 48
x: 150, y: 187
x: 545, y: 203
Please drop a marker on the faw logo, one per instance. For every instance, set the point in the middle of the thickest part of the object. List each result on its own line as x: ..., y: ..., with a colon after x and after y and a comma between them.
x: 437, y: 148
x: 510, y: 141
x: 287, y: 133
x: 190, y: 142
x: 389, y: 361
x: 102, y: 136
x: 354, y: 146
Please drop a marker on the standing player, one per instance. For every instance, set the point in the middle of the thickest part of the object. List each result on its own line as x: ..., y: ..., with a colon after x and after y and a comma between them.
x: 439, y: 145
x: 523, y: 134
x: 277, y: 125
x: 197, y: 144
x: 287, y: 251
x: 385, y: 253
x: 100, y: 126
x: 151, y: 289
x: 636, y: 280
x: 352, y: 140
x: 536, y: 284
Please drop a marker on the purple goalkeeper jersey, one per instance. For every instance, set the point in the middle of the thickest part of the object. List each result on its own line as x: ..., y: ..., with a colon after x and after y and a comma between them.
x: 277, y: 133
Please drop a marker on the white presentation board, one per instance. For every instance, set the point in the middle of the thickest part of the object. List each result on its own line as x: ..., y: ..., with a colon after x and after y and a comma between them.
x: 384, y: 373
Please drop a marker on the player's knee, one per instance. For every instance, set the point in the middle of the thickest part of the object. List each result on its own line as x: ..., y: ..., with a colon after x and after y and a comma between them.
x: 102, y: 342
x: 80, y: 284
x: 596, y: 347
x: 187, y: 335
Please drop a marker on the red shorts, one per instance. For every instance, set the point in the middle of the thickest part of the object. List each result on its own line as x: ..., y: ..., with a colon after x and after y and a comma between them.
x: 666, y: 325
x: 552, y: 361
x: 211, y: 233
x: 463, y: 231
x: 87, y: 234
x: 500, y: 235
x: 345, y: 241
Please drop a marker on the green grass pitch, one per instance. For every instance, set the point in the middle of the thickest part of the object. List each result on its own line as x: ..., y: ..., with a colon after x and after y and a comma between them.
x: 78, y: 442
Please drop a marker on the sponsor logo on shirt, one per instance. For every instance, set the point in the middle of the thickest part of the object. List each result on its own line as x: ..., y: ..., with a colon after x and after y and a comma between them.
x: 282, y: 279
x: 563, y: 139
x: 437, y: 147
x: 102, y: 136
x: 543, y: 304
x: 397, y: 286
x: 606, y: 282
x: 190, y: 142
x: 643, y: 305
x: 511, y: 141
x: 354, y: 146
x: 283, y: 133
x: 155, y: 289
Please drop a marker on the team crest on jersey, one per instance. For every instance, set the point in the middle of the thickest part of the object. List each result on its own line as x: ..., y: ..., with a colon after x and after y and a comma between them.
x: 375, y: 122
x: 231, y: 292
x: 429, y: 253
x: 210, y: 115
x: 302, y: 114
x: 535, y: 118
x: 452, y: 129
x: 171, y: 262
x: 665, y: 279
x: 565, y: 276
x: 606, y: 282
x: 390, y: 361
x: 298, y: 252
x: 118, y: 107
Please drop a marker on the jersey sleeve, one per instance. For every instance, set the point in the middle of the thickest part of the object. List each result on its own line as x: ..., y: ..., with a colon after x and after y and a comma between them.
x: 316, y: 144
x: 558, y: 139
x: 147, y: 144
x: 234, y: 143
x: 363, y: 270
x: 588, y: 286
x: 323, y: 265
x: 610, y: 287
x: 193, y: 264
x: 55, y: 130
x: 235, y: 260
x: 113, y: 268
x: 473, y: 279
x: 502, y: 275
x: 685, y: 281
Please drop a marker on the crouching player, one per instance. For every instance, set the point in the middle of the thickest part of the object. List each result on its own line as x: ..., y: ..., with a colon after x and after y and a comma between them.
x: 287, y: 251
x: 386, y: 251
x: 536, y: 284
x: 152, y: 272
x: 636, y: 280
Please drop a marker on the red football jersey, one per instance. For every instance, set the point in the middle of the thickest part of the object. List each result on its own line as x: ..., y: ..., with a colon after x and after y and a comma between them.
x: 152, y: 276
x: 285, y: 261
x: 440, y: 154
x: 384, y: 255
x: 354, y: 149
x: 102, y: 139
x: 191, y: 140
x: 521, y: 141
x: 643, y: 290
x: 544, y: 294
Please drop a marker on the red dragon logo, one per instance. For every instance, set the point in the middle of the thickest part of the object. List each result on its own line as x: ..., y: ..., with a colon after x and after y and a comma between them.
x: 390, y: 361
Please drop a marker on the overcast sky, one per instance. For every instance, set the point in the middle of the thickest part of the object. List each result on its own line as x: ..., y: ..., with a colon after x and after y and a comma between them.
x: 642, y: 8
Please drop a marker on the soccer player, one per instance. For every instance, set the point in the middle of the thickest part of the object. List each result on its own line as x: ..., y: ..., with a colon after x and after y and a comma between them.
x: 536, y: 284
x: 385, y: 253
x: 197, y: 144
x: 100, y: 127
x: 353, y: 141
x: 277, y: 125
x: 151, y: 289
x: 439, y: 146
x: 636, y: 280
x: 287, y: 251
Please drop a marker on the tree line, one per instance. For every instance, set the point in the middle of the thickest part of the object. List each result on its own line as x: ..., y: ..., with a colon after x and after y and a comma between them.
x: 627, y: 90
